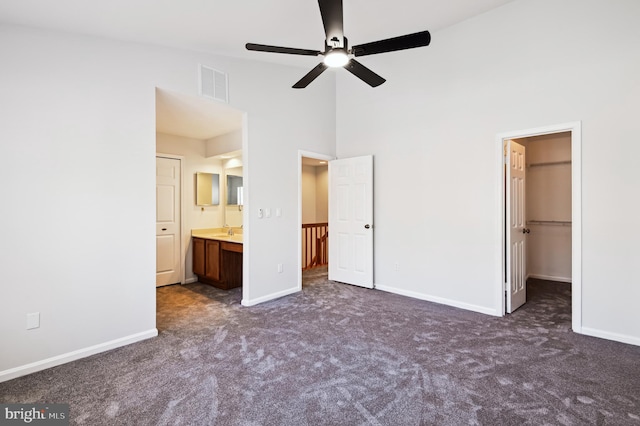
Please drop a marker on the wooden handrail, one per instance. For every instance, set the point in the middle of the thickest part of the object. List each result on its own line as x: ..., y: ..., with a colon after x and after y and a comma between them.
x: 314, y: 245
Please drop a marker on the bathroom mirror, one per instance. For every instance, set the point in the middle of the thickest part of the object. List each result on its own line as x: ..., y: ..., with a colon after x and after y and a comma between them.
x: 234, y: 190
x: 207, y: 189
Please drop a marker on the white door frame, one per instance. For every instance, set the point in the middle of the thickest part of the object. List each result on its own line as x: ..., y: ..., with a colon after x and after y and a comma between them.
x: 182, y: 212
x: 576, y: 214
x: 316, y: 156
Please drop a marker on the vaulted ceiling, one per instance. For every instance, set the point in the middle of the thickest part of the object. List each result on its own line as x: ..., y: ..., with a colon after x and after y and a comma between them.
x: 223, y: 27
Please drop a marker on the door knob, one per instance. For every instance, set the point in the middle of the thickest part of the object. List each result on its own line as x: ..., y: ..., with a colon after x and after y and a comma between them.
x: 367, y: 226
x: 526, y: 230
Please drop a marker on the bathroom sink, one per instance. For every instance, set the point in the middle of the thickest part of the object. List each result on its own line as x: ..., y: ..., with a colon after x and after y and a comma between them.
x: 224, y: 236
x: 218, y: 234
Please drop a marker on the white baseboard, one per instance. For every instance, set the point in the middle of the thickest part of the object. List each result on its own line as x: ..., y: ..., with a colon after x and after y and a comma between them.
x: 253, y: 302
x: 440, y: 300
x: 550, y: 278
x: 191, y: 280
x: 23, y: 370
x: 623, y: 338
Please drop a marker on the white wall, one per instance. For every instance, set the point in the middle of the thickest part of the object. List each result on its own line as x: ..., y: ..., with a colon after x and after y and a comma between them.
x: 308, y: 177
x: 322, y: 194
x: 315, y: 195
x: 196, y: 217
x: 225, y: 143
x: 548, y: 198
x: 233, y: 214
x: 78, y: 128
x: 432, y: 128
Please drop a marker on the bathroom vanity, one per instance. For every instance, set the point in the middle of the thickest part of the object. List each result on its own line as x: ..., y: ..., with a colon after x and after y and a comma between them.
x: 217, y: 257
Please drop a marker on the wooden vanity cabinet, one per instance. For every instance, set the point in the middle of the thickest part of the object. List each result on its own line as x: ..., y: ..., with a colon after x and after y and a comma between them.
x: 198, y: 256
x: 217, y: 263
x: 231, y: 258
x: 212, y: 259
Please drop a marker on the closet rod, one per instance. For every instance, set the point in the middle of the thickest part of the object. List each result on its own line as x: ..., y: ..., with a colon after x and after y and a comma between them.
x: 550, y: 163
x: 549, y: 222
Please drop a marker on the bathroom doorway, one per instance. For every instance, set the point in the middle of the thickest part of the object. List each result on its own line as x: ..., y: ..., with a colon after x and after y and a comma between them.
x: 313, y: 228
x: 210, y: 138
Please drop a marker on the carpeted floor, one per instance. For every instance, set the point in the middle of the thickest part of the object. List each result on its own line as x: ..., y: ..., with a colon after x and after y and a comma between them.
x: 341, y: 355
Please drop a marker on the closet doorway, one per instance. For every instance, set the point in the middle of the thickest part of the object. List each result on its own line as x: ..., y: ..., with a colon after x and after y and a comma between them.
x: 541, y: 210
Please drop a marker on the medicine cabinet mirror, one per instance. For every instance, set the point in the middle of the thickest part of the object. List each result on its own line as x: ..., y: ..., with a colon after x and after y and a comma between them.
x: 207, y: 189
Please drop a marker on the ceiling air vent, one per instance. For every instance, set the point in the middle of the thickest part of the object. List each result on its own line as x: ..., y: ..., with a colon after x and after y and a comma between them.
x: 214, y: 84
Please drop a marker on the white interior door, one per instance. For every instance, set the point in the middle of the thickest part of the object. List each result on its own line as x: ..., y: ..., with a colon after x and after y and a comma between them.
x: 351, y: 221
x: 168, y: 265
x: 516, y: 224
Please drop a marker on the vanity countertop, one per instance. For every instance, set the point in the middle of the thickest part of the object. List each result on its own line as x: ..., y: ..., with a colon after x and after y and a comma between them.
x: 221, y: 234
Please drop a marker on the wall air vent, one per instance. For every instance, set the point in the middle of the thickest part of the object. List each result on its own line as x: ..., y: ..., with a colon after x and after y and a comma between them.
x: 213, y: 84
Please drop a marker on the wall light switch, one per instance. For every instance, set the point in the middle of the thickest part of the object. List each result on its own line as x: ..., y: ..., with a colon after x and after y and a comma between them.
x: 280, y: 268
x: 267, y: 212
x: 33, y: 320
x: 278, y: 212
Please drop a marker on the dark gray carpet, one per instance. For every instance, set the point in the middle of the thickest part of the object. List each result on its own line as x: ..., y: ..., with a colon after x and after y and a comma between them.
x: 341, y: 355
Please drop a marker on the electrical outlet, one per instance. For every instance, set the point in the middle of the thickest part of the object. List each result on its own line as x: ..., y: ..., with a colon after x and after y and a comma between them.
x: 260, y: 213
x: 396, y: 267
x: 279, y: 268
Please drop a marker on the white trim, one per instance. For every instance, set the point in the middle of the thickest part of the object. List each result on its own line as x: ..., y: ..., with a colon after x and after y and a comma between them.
x: 273, y: 296
x: 246, y: 222
x: 33, y: 367
x: 440, y: 300
x: 183, y: 254
x: 576, y: 214
x: 576, y: 227
x: 550, y: 278
x: 191, y: 280
x: 316, y: 156
x: 623, y: 338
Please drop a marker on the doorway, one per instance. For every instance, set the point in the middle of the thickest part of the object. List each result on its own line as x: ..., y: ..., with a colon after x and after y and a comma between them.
x: 313, y: 199
x: 556, y: 224
x: 210, y: 138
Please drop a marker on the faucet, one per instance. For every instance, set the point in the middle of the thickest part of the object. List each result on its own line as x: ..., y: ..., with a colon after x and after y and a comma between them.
x: 230, y: 231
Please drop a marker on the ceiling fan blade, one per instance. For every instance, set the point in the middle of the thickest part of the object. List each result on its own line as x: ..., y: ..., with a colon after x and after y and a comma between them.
x: 331, y: 11
x: 408, y: 41
x: 278, y: 49
x: 364, y: 73
x: 311, y: 75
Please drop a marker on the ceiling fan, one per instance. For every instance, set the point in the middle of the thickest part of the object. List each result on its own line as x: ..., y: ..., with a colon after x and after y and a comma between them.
x: 337, y: 52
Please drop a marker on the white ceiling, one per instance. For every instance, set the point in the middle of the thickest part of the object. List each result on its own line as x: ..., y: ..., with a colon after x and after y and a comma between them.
x: 193, y: 117
x: 223, y: 27
x: 307, y: 161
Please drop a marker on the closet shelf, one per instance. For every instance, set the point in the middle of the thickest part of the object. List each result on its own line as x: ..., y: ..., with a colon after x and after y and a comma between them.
x: 550, y: 222
x: 550, y: 163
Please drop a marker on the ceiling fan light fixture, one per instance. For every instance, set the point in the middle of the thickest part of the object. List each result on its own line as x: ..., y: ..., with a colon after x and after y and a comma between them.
x: 336, y: 58
x: 337, y: 52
